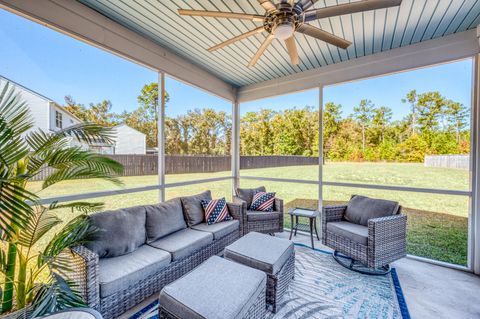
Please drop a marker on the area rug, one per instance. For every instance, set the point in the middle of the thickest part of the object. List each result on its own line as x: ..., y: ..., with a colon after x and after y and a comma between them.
x: 324, y: 289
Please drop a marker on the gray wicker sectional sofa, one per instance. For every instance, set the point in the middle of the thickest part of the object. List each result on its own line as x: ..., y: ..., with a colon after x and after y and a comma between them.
x: 141, y: 249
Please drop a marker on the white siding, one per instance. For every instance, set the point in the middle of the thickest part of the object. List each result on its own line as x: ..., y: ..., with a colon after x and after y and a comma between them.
x: 67, y: 118
x: 39, y: 107
x: 129, y: 141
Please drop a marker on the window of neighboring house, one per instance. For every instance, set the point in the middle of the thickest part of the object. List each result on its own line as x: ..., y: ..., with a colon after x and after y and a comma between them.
x: 58, y: 119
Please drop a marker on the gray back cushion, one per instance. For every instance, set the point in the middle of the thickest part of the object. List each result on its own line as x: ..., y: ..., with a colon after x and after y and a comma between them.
x: 120, y: 231
x: 246, y: 194
x: 164, y: 218
x: 192, y: 207
x: 360, y: 209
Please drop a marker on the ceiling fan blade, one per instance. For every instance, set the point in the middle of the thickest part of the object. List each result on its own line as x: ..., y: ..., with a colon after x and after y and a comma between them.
x: 305, y: 4
x: 323, y: 35
x: 262, y: 49
x: 292, y: 50
x: 347, y: 8
x: 237, y: 38
x: 267, y: 5
x: 219, y: 14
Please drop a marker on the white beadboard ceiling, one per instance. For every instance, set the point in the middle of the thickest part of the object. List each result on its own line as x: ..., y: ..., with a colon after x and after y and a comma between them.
x: 370, y: 32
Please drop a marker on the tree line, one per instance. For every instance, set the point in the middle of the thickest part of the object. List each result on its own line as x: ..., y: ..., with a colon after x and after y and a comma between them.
x: 434, y: 124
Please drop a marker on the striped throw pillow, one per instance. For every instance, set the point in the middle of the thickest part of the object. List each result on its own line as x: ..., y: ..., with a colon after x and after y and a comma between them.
x: 216, y: 210
x: 262, y: 201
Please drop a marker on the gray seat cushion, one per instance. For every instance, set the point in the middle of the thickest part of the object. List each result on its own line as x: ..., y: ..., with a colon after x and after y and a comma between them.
x: 164, y: 219
x: 217, y: 289
x: 355, y: 232
x: 193, y: 209
x: 246, y: 194
x: 120, y: 231
x: 119, y: 273
x: 255, y: 215
x: 219, y: 230
x: 260, y: 251
x: 360, y: 209
x: 183, y: 242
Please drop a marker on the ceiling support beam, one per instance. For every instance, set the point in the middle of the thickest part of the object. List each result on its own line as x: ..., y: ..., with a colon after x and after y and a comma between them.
x: 449, y: 48
x: 77, y: 20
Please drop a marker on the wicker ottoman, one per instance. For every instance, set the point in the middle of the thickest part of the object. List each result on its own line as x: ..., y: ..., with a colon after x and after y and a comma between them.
x: 217, y: 289
x: 274, y: 256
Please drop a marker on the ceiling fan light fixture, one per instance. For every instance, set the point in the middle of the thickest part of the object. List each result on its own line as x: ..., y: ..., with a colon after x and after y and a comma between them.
x: 284, y: 31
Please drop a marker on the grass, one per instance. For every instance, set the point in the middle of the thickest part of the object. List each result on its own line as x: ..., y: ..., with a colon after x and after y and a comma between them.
x: 437, y: 226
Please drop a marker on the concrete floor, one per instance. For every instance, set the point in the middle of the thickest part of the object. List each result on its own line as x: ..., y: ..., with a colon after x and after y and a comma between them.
x: 431, y: 291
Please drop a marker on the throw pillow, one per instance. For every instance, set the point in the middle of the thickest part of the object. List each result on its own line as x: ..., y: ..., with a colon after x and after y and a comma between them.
x: 192, y: 207
x: 246, y: 194
x: 263, y: 201
x: 360, y: 209
x: 216, y: 210
x: 120, y: 231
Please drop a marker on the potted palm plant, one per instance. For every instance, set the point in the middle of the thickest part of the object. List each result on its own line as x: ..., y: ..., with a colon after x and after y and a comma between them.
x: 34, y: 278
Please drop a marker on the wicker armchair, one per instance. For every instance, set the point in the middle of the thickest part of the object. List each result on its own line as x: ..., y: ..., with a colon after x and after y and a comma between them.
x: 268, y: 222
x: 370, y: 248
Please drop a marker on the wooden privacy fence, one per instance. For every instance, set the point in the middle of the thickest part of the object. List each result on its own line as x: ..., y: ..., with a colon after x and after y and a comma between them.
x: 248, y: 162
x: 138, y: 165
x: 448, y: 161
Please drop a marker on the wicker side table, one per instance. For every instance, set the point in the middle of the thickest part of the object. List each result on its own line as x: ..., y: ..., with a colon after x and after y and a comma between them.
x: 304, y: 213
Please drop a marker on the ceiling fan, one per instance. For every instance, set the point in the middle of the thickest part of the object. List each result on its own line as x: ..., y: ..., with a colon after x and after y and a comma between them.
x: 283, y: 19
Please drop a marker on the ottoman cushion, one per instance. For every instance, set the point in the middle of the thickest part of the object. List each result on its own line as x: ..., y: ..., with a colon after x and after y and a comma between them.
x: 217, y: 289
x: 260, y: 251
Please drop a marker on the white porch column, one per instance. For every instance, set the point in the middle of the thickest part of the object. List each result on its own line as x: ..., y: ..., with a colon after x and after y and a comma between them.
x: 474, y: 223
x: 235, y: 148
x: 320, y: 147
x: 161, y: 137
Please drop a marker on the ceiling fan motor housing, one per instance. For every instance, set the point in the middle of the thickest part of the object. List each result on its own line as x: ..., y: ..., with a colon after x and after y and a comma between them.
x: 283, y: 21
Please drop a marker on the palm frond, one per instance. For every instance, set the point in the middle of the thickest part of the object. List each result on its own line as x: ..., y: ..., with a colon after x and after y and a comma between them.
x: 15, y: 212
x: 45, y: 145
x: 74, y: 163
x: 90, y: 133
x: 42, y: 221
x: 74, y: 233
x: 84, y: 207
x: 40, y: 141
x: 13, y: 110
x: 58, y: 294
x: 12, y: 147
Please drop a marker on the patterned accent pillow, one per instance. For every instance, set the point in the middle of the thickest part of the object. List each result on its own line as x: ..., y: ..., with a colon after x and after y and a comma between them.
x: 262, y: 201
x: 216, y: 210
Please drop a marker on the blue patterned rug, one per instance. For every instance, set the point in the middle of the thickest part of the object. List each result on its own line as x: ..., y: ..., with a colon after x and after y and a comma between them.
x: 324, y: 289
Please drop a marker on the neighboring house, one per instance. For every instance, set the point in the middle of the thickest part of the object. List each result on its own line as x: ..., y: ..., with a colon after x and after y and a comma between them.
x: 129, y: 140
x: 50, y: 117
x: 47, y: 115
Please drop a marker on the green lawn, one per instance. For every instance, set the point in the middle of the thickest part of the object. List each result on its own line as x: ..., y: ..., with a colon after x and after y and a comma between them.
x: 437, y: 223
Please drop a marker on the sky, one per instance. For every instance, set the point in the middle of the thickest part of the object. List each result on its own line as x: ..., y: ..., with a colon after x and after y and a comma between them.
x: 56, y: 65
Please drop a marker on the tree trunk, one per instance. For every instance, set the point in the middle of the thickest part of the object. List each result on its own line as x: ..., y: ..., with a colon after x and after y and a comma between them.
x: 363, y: 138
x: 414, y: 121
x: 8, y: 287
x: 22, y: 280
